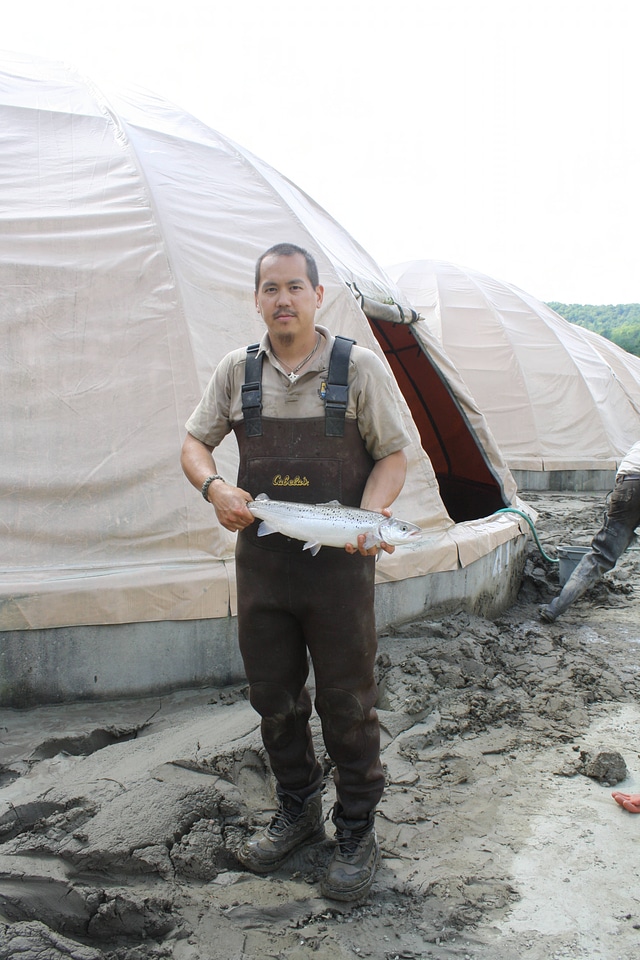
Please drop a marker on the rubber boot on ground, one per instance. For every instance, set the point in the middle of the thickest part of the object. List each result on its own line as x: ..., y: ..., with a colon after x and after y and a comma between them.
x: 577, y: 584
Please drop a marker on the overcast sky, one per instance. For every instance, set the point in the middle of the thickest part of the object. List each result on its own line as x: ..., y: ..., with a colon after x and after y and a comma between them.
x: 501, y: 135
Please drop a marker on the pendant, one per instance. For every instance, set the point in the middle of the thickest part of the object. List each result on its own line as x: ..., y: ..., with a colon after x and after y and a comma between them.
x: 292, y: 377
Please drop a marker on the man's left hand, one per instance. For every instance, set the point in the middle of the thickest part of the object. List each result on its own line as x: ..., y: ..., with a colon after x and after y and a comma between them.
x: 372, y: 551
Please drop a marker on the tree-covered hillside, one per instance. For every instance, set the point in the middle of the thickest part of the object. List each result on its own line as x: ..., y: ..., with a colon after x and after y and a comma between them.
x: 617, y: 322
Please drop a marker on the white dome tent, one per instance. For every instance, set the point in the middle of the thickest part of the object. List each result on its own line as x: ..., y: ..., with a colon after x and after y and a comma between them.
x: 129, y: 236
x: 562, y: 402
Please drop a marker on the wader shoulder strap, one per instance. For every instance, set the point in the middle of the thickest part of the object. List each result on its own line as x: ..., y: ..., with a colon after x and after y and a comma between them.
x: 252, y: 392
x: 337, y: 394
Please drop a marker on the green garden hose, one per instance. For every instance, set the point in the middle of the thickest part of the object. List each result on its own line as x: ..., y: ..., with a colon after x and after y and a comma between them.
x: 533, y: 530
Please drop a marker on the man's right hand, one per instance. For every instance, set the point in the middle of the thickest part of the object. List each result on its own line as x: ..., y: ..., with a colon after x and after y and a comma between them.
x: 230, y: 504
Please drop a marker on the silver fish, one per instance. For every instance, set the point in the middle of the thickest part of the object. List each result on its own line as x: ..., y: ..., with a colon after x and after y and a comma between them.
x: 329, y: 524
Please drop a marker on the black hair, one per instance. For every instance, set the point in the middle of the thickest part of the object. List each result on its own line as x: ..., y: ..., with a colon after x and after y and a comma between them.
x: 290, y: 250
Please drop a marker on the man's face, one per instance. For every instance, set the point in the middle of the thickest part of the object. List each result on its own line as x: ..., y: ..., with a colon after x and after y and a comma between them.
x: 285, y: 298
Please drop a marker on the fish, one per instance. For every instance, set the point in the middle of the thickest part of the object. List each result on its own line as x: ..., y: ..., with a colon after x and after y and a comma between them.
x: 329, y: 524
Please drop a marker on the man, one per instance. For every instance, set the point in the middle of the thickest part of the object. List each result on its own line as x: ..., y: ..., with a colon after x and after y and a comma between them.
x: 610, y: 542
x: 316, y: 420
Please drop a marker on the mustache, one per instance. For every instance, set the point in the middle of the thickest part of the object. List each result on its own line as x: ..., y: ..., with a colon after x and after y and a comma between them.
x: 284, y: 313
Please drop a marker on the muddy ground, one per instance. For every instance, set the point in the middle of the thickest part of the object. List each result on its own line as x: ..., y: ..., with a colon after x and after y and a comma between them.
x: 500, y: 840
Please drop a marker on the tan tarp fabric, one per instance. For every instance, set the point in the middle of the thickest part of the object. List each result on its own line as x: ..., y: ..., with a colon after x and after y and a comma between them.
x: 129, y: 235
x: 555, y: 396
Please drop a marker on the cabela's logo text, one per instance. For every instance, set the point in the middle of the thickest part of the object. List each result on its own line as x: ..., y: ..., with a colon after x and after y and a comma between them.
x: 280, y: 481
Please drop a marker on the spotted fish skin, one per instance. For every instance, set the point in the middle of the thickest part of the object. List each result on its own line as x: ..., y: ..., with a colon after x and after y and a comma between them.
x: 329, y: 524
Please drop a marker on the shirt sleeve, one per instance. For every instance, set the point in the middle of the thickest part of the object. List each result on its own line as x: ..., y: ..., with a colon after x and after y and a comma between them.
x: 377, y: 409
x: 210, y: 421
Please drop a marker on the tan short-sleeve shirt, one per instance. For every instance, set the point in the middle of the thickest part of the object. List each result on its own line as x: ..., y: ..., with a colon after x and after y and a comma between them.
x: 371, y: 398
x: 631, y: 461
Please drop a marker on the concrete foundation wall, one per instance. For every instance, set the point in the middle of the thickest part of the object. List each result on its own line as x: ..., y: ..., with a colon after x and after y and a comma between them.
x: 578, y: 481
x: 116, y: 661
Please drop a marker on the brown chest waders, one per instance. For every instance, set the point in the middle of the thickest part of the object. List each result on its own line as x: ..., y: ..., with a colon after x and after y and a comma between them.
x: 292, y: 605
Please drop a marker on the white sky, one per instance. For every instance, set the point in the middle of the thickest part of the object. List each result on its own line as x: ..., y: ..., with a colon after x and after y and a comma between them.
x: 502, y: 135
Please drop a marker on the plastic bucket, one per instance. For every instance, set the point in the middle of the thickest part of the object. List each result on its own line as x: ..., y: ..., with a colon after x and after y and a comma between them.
x: 569, y: 558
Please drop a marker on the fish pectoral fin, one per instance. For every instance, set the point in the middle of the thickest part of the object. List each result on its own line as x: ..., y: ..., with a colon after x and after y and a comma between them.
x: 371, y: 540
x: 263, y: 496
x: 313, y: 546
x: 265, y: 529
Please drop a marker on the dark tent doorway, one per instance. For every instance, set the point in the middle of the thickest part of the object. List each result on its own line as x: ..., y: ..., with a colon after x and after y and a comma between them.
x: 468, y: 487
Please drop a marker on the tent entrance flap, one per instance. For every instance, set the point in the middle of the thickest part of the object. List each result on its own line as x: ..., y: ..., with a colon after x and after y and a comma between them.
x: 468, y: 487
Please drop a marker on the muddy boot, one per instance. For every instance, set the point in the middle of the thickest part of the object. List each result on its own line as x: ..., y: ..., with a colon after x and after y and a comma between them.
x: 295, y: 824
x: 547, y: 612
x: 577, y: 584
x: 353, y: 865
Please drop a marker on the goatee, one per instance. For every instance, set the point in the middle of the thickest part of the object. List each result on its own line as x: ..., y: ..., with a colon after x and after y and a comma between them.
x: 284, y: 339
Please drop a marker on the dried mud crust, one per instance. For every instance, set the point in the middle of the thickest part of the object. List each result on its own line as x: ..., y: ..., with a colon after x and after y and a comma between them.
x: 118, y: 823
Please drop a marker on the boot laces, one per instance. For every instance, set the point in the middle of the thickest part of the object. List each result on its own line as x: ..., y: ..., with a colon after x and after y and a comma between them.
x: 286, y: 814
x: 350, y: 840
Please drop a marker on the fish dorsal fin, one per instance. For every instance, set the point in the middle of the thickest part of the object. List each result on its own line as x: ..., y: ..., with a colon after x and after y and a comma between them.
x: 263, y: 496
x: 330, y: 503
